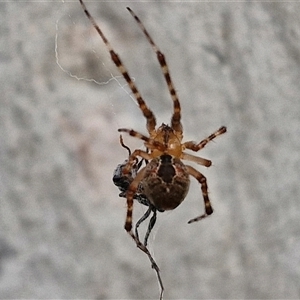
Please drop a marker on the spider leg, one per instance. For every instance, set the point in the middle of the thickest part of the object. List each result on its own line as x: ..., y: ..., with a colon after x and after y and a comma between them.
x: 148, y: 114
x: 148, y: 141
x: 175, y: 121
x: 196, y: 159
x: 196, y: 147
x: 132, y: 160
x: 202, y: 180
x: 123, y: 181
x: 132, y: 189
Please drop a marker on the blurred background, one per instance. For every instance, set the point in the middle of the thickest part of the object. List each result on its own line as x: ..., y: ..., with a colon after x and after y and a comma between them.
x: 62, y: 101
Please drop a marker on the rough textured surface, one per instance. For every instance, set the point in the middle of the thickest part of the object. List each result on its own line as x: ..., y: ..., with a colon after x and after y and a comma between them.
x: 233, y: 64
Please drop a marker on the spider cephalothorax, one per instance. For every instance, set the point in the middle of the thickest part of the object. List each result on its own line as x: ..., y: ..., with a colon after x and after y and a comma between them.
x: 163, y: 182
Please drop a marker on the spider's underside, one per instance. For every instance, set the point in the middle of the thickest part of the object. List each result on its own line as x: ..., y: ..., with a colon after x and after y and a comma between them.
x: 163, y: 183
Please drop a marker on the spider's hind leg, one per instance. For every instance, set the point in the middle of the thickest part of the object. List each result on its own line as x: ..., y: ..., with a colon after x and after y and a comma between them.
x: 202, y: 180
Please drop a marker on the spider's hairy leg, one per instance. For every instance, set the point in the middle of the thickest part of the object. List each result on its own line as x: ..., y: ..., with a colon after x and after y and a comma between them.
x: 196, y: 159
x: 132, y: 189
x: 202, y: 180
x: 175, y: 121
x: 132, y: 160
x: 148, y: 114
x: 196, y: 147
x: 150, y: 143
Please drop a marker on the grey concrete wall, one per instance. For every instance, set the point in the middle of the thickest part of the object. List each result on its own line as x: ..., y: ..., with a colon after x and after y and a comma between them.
x: 233, y: 64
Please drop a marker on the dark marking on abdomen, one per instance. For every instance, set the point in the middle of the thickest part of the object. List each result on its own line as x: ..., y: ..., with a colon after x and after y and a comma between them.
x: 166, y: 170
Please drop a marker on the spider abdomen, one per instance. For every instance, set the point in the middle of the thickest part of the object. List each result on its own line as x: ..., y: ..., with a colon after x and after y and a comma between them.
x: 166, y: 182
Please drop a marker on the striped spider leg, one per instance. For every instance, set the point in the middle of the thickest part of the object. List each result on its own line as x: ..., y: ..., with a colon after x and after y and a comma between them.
x: 123, y: 181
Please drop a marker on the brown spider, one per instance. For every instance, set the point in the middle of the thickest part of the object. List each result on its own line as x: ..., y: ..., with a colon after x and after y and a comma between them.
x: 165, y: 179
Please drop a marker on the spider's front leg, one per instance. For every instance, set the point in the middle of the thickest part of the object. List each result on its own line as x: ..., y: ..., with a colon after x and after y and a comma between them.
x: 202, y: 180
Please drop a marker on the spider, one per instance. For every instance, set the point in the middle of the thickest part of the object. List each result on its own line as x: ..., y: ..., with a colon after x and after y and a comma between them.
x: 164, y: 182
